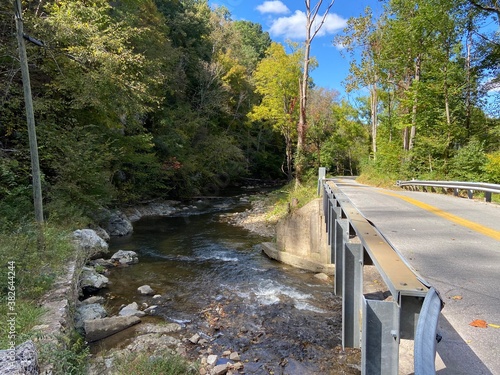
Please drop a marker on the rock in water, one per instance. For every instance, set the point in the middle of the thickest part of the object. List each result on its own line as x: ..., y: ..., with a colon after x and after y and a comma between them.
x: 125, y: 257
x: 89, y: 242
x: 146, y: 290
x: 119, y: 225
x: 98, y: 329
x: 91, y: 281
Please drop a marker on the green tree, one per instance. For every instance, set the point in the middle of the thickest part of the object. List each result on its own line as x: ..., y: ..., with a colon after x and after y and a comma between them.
x: 364, y: 35
x: 276, y: 79
x: 254, y: 43
x: 348, y: 145
x: 320, y: 120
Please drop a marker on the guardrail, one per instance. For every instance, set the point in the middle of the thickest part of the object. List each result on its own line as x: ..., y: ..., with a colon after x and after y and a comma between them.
x: 377, y: 326
x: 470, y: 187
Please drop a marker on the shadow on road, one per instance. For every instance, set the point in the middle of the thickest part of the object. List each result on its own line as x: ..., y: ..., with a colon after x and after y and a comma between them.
x: 457, y: 356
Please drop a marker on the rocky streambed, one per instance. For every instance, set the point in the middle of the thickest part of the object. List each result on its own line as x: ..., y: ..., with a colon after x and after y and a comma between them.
x: 192, y: 280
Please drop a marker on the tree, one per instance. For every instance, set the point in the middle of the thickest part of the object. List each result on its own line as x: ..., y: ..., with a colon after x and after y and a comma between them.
x: 347, y: 145
x: 254, y: 43
x: 276, y: 79
x: 361, y: 33
x: 321, y: 119
x: 312, y: 29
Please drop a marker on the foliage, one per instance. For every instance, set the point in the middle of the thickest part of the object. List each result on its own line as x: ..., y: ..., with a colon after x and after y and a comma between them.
x: 283, y: 200
x: 429, y: 102
x: 66, y: 354
x: 492, y: 168
x: 469, y: 162
x: 348, y: 145
x: 275, y: 80
x: 35, y: 273
x: 141, y: 99
x: 143, y: 364
x: 27, y: 316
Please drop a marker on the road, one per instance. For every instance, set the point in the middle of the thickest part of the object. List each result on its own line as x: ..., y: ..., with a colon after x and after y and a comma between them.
x: 454, y: 244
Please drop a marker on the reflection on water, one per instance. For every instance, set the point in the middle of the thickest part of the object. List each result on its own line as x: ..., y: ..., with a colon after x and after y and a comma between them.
x: 279, y: 318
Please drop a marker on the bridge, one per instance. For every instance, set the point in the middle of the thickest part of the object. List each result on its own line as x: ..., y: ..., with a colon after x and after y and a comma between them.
x: 453, y: 245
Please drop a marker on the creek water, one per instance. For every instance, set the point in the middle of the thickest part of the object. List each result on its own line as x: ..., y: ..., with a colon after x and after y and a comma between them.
x: 215, y: 281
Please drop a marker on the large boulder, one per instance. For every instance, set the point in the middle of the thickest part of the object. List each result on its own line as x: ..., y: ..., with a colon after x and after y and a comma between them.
x: 118, y: 224
x: 98, y: 329
x: 21, y: 360
x: 102, y: 233
x: 91, y: 281
x: 146, y: 290
x: 124, y: 257
x: 90, y: 243
x: 88, y: 312
x: 132, y: 310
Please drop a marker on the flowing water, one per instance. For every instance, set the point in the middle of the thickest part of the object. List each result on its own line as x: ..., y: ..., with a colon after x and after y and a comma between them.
x: 215, y: 281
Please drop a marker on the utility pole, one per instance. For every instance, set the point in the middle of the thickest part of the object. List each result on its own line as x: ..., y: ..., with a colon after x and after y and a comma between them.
x: 30, y: 117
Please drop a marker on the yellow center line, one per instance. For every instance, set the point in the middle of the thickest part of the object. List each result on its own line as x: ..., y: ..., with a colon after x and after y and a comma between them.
x: 495, y: 234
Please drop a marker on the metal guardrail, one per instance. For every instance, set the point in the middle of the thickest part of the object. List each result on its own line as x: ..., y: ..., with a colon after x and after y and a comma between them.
x: 470, y: 187
x: 376, y: 326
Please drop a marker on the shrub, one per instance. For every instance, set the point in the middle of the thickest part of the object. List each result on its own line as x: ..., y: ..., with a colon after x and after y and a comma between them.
x: 492, y: 168
x: 144, y: 364
x: 469, y: 162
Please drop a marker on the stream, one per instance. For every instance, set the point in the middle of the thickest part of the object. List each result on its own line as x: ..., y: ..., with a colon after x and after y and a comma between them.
x: 215, y: 281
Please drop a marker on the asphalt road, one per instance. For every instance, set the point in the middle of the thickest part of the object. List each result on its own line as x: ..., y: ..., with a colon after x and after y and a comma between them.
x: 454, y: 244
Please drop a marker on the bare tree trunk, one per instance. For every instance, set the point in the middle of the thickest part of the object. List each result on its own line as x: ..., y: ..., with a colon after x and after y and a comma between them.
x: 468, y: 106
x: 413, y: 129
x: 289, y: 157
x: 311, y: 31
x: 374, y: 118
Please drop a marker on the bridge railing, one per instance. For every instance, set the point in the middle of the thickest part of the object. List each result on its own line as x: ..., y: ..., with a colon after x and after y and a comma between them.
x: 377, y: 326
x: 456, y: 186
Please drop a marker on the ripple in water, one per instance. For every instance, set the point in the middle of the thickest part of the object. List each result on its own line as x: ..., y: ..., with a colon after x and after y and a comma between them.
x: 280, y: 319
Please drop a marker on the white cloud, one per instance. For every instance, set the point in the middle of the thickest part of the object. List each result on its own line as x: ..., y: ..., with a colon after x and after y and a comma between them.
x: 340, y: 46
x: 274, y: 7
x: 294, y: 26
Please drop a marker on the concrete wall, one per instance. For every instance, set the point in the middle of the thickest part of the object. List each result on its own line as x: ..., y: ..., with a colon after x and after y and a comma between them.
x: 301, y: 240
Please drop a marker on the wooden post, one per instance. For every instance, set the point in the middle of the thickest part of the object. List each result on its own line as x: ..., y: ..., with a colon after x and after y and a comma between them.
x: 30, y: 117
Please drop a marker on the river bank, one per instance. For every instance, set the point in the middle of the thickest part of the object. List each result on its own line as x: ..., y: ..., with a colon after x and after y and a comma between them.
x: 226, y: 297
x: 257, y: 219
x: 247, y: 315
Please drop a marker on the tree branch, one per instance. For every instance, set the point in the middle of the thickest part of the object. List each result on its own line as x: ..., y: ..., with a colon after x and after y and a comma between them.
x: 486, y: 8
x: 316, y: 10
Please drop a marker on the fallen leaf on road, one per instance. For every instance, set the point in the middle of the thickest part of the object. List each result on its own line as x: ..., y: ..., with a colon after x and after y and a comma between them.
x: 456, y: 297
x: 479, y: 323
x: 493, y: 325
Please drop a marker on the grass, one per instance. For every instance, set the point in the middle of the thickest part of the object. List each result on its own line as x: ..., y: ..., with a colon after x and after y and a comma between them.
x: 67, y: 355
x: 377, y: 180
x: 28, y: 270
x: 290, y: 198
x: 144, y: 364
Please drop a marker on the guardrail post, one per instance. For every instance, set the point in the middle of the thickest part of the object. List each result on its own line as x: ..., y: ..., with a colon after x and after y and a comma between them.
x: 351, y: 295
x: 321, y: 177
x: 325, y: 208
x: 341, y: 234
x: 374, y: 325
x: 487, y: 196
x: 380, y: 343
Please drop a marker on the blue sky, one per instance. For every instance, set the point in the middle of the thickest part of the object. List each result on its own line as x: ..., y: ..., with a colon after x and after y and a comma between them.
x: 285, y: 19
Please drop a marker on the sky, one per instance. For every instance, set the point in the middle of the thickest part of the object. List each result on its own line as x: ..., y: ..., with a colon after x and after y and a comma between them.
x: 286, y: 20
